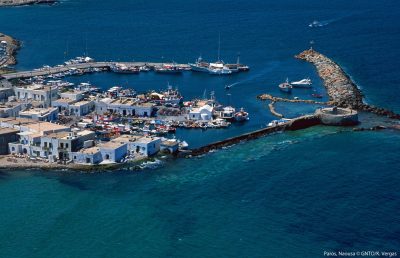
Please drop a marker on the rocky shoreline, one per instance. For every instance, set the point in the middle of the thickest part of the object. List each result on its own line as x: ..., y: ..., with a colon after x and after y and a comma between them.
x: 10, y: 161
x: 342, y: 91
x: 24, y: 2
x: 12, y: 47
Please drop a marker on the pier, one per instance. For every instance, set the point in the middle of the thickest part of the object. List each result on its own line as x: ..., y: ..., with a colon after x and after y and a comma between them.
x: 299, y: 123
x: 83, y: 66
x: 273, y: 111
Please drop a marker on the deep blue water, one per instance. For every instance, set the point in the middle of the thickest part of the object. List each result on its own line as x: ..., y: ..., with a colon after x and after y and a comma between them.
x: 287, y: 195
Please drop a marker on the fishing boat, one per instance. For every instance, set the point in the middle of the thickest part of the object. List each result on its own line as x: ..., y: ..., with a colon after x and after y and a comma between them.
x: 286, y: 87
x: 304, y: 83
x: 199, y: 66
x: 241, y: 116
x: 168, y: 68
x: 121, y: 68
x: 218, y: 68
x: 227, y: 113
x: 278, y: 122
x: 172, y: 96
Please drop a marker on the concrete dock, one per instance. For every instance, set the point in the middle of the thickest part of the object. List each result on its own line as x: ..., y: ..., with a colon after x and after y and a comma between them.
x: 54, y: 70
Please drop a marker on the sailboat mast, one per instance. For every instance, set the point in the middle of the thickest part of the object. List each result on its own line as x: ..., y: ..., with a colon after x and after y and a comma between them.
x: 219, y: 46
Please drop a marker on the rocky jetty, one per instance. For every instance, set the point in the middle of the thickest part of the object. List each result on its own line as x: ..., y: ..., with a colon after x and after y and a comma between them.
x: 342, y: 91
x: 278, y: 99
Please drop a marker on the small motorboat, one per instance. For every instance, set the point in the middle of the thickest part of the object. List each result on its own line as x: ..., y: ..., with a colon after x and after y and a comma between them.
x: 304, y: 83
x: 317, y: 95
x: 286, y: 87
x: 278, y: 122
x: 315, y: 24
x: 241, y: 116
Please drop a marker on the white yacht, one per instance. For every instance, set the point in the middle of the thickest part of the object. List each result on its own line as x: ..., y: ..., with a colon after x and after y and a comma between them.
x: 304, y: 83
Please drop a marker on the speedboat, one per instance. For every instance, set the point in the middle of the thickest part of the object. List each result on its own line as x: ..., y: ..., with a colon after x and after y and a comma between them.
x: 304, y: 83
x: 315, y: 24
x: 286, y: 87
x: 317, y: 95
x: 278, y: 122
x: 241, y: 116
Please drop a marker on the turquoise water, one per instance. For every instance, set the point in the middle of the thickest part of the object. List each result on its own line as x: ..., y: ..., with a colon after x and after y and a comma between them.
x: 285, y: 195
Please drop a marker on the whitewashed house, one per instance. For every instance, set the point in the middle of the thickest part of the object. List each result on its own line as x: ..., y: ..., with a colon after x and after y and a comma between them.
x: 203, y: 113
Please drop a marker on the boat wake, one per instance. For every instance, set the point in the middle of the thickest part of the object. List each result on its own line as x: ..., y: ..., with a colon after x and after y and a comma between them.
x: 324, y: 23
x: 270, y: 67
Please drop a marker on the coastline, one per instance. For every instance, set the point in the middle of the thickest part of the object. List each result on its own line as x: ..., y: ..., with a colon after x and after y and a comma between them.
x: 12, y: 47
x: 24, y: 2
x: 9, y: 161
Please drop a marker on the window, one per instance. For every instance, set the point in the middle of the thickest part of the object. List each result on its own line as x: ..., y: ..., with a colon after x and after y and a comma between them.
x: 66, y: 145
x: 61, y: 145
x: 74, y: 157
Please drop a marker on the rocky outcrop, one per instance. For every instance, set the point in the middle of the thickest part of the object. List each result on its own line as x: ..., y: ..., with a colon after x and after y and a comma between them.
x: 11, y: 45
x: 24, y: 2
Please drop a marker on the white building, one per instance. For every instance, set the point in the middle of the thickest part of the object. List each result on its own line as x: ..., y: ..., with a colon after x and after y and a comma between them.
x: 203, y: 113
x: 12, y: 107
x: 40, y: 114
x: 81, y: 108
x: 90, y: 156
x: 40, y: 93
x: 124, y: 107
x: 74, y: 95
x: 142, y: 145
x: 62, y: 104
x: 113, y: 151
x: 31, y: 134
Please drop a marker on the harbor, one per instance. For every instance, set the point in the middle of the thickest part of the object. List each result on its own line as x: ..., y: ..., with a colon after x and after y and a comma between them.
x: 122, y: 126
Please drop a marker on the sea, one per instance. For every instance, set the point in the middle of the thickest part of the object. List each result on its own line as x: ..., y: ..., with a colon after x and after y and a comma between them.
x: 295, y: 194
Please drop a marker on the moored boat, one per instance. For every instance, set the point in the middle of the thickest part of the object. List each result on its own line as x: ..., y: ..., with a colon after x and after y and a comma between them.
x: 168, y: 68
x: 304, y: 83
x: 286, y: 87
x: 241, y: 116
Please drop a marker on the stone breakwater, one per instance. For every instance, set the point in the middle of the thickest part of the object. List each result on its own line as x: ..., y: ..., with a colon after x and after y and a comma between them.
x: 24, y: 2
x: 278, y: 99
x: 295, y: 124
x: 342, y: 91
